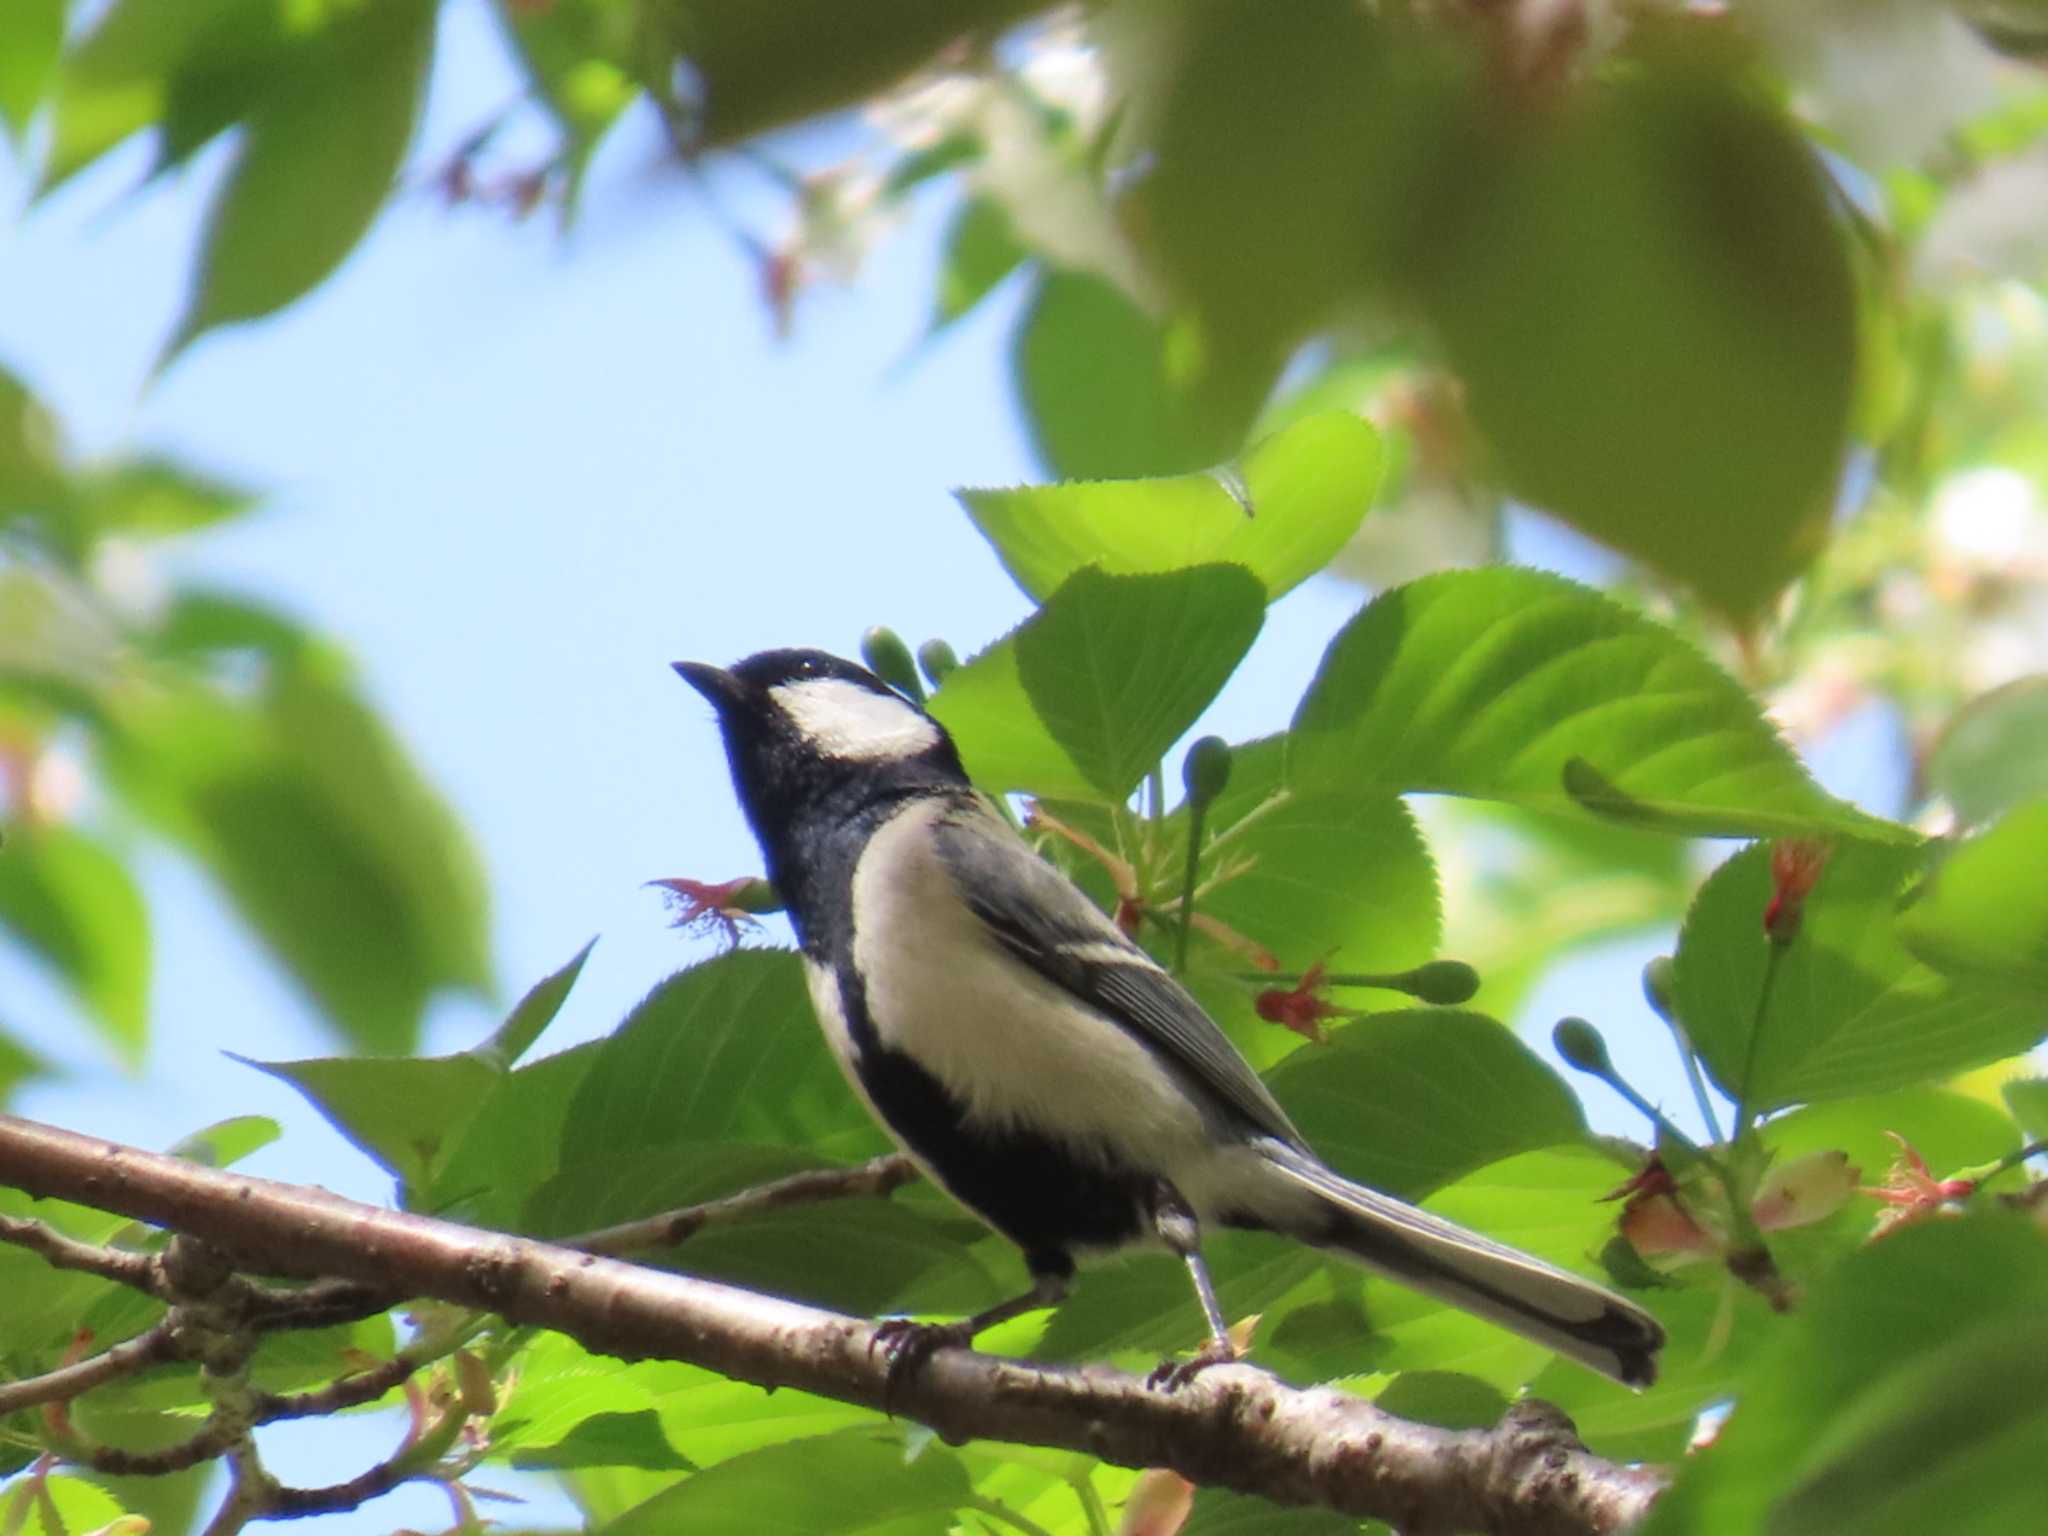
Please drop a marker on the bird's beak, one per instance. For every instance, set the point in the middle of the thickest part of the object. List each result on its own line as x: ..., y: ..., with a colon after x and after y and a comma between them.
x: 719, y: 687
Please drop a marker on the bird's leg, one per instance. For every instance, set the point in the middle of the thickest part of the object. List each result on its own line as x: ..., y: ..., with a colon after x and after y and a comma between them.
x: 907, y: 1343
x: 1182, y: 1233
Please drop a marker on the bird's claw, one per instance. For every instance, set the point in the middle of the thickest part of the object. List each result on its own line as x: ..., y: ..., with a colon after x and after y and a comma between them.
x: 906, y: 1344
x: 1169, y: 1376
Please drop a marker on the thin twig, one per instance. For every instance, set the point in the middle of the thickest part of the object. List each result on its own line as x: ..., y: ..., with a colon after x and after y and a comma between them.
x: 123, y: 1267
x: 878, y: 1176
x: 156, y: 1344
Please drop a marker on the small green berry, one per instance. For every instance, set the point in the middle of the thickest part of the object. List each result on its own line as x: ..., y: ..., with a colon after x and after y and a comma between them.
x: 889, y: 659
x: 1579, y: 1043
x: 938, y: 661
x: 1205, y: 771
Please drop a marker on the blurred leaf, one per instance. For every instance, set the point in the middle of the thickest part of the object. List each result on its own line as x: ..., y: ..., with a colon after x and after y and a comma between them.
x: 202, y: 623
x: 579, y: 55
x: 1109, y: 394
x: 74, y: 904
x: 855, y: 1481
x: 1851, y: 1011
x: 317, y: 160
x: 1302, y: 494
x: 152, y: 496
x: 1983, y: 912
x: 1993, y: 753
x: 28, y: 60
x: 727, y: 1050
x: 406, y: 1113
x: 1408, y: 1101
x: 2027, y: 1098
x: 607, y: 1440
x: 1256, y: 205
x: 31, y: 453
x: 1495, y: 683
x: 309, y: 814
x: 227, y: 1142
x: 980, y: 251
x: 61, y: 1506
x: 119, y: 78
x: 17, y: 1066
x: 1326, y: 875
x: 1083, y: 698
x: 1918, y: 1363
x: 1649, y: 300
x: 1951, y: 1130
x: 757, y: 65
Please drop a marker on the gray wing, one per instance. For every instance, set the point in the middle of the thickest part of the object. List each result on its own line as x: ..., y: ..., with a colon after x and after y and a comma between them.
x: 1044, y: 919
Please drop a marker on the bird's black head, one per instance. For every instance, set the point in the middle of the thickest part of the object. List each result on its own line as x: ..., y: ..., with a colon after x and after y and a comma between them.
x: 811, y: 736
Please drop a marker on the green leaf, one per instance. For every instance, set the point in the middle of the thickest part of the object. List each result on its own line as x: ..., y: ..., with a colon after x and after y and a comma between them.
x: 848, y: 1483
x: 318, y: 157
x: 1651, y: 309
x: 2027, y: 1098
x: 155, y: 496
x: 1084, y: 697
x: 1494, y: 683
x: 63, y: 1506
x: 980, y: 250
x: 579, y: 56
x: 1324, y: 875
x: 1218, y: 1512
x: 227, y: 1142
x: 1107, y: 395
x: 1295, y: 501
x: 74, y: 904
x: 1951, y: 1130
x: 725, y: 1050
x: 120, y: 77
x: 28, y: 60
x: 1409, y: 1101
x: 309, y: 814
x: 607, y: 1440
x: 1851, y: 1011
x: 1994, y: 753
x: 533, y: 1013
x: 1443, y: 1398
x: 1983, y: 912
x: 513, y: 1142
x: 1907, y: 1397
x: 404, y: 1112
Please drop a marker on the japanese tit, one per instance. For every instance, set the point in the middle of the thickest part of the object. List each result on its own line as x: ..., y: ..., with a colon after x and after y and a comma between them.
x: 1037, y: 1063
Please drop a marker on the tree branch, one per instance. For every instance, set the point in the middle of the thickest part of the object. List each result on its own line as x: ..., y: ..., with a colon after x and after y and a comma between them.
x: 877, y: 1177
x: 1234, y: 1426
x: 156, y: 1343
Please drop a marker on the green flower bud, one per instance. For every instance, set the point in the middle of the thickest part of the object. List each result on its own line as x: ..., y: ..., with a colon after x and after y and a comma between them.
x: 1205, y: 771
x: 938, y: 660
x: 1579, y: 1043
x: 1444, y: 982
x: 1659, y: 987
x: 889, y: 659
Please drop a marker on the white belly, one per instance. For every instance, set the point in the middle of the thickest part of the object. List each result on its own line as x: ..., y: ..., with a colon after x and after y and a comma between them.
x: 1012, y: 1047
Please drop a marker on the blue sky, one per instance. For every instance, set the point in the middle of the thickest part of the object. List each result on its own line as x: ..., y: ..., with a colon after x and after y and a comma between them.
x: 516, y: 475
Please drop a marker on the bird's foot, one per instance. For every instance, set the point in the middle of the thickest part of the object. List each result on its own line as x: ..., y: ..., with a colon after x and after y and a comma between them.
x: 1170, y: 1376
x: 906, y: 1344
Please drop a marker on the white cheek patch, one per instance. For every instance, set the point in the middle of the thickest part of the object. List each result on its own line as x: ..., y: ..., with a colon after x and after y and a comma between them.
x: 847, y: 721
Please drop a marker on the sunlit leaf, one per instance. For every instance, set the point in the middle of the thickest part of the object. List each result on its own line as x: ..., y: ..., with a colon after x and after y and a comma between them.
x: 1850, y: 1010
x: 1500, y: 683
x: 35, y: 36
x: 1084, y: 697
x: 981, y: 250
x: 1984, y: 910
x: 1298, y: 496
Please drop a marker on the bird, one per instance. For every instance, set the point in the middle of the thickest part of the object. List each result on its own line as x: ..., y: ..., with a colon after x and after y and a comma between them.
x: 1034, y: 1060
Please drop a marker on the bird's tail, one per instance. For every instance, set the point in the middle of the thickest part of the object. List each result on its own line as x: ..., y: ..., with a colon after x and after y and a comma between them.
x: 1559, y: 1310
